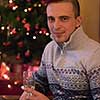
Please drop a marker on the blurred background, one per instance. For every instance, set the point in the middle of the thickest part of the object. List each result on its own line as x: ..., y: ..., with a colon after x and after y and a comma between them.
x: 24, y: 34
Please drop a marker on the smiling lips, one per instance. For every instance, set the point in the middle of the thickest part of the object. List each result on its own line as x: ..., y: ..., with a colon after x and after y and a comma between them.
x: 58, y: 33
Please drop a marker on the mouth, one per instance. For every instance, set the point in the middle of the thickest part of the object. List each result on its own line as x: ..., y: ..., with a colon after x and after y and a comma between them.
x: 58, y: 33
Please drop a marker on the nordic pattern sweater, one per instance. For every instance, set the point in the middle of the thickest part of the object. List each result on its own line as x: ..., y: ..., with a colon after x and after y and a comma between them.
x: 71, y: 70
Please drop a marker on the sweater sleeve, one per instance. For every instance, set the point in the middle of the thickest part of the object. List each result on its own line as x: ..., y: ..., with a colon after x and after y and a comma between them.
x: 94, y: 74
x: 41, y: 77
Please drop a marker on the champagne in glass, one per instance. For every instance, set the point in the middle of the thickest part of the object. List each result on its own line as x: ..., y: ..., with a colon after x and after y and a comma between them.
x: 28, y: 80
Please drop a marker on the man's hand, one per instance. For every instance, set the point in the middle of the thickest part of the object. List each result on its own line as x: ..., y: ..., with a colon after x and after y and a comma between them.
x: 31, y: 94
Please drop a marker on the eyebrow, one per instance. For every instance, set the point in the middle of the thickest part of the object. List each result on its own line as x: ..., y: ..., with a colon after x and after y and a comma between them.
x: 59, y: 17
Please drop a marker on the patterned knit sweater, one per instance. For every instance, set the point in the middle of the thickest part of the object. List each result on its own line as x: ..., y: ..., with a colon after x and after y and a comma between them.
x: 71, y: 71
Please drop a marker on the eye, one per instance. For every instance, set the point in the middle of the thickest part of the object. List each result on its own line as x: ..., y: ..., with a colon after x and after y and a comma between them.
x: 50, y: 19
x: 64, y: 18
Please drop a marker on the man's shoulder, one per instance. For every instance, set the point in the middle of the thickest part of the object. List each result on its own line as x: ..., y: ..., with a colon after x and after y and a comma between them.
x: 51, y: 44
x: 94, y: 45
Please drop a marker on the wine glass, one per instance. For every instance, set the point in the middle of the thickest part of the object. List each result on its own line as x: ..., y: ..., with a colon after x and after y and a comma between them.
x: 28, y: 80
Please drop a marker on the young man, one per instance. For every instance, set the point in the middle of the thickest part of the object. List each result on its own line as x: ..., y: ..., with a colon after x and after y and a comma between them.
x: 70, y: 66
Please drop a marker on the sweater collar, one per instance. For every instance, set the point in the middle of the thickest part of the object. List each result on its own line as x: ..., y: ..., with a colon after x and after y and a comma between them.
x: 76, y: 40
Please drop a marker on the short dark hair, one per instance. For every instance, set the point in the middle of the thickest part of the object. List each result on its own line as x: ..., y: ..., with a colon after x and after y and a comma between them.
x: 75, y: 4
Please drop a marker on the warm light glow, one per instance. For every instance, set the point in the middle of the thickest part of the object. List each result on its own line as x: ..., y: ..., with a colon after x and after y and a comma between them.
x: 10, y: 1
x: 9, y: 86
x: 3, y: 63
x: 6, y: 77
x: 27, y: 33
x: 2, y: 28
x: 47, y: 34
x: 35, y: 5
x: 8, y: 27
x: 39, y: 5
x: 40, y: 32
x: 11, y: 33
x: 4, y: 96
x: 25, y: 10
x: 29, y: 9
x: 7, y: 68
x: 34, y: 37
x: 15, y: 7
x: 15, y: 82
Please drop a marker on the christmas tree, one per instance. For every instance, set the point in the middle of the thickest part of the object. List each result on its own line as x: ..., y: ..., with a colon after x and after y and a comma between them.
x: 23, y: 29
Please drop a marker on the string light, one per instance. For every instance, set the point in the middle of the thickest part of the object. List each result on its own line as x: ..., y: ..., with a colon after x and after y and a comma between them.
x: 39, y: 5
x: 35, y: 5
x: 10, y: 1
x: 29, y: 9
x: 7, y: 68
x: 15, y: 7
x: 9, y: 86
x: 2, y: 28
x: 40, y: 32
x: 8, y: 27
x: 25, y: 10
x: 27, y: 33
x: 11, y: 33
x: 15, y: 82
x: 34, y: 37
x: 5, y: 76
x: 47, y: 34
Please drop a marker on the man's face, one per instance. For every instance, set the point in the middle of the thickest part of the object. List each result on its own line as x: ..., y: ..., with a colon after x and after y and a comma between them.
x: 61, y: 20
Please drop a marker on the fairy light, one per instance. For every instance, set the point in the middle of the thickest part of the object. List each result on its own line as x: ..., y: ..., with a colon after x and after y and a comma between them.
x: 40, y: 32
x: 8, y: 27
x: 15, y: 82
x: 34, y: 37
x: 25, y: 10
x: 7, y: 68
x: 29, y: 9
x: 47, y: 34
x: 5, y: 76
x: 10, y: 1
x: 39, y: 5
x: 35, y: 5
x: 2, y: 28
x: 9, y: 86
x: 11, y: 33
x: 3, y: 63
x: 27, y: 33
x: 15, y: 7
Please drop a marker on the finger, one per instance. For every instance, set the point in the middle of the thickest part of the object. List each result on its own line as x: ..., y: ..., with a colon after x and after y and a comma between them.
x: 29, y: 91
x: 23, y: 96
x: 32, y: 91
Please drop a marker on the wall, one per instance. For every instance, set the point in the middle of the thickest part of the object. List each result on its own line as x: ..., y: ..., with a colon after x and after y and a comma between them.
x: 90, y: 10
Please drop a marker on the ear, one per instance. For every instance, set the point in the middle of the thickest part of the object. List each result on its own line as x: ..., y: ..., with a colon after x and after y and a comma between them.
x: 78, y: 21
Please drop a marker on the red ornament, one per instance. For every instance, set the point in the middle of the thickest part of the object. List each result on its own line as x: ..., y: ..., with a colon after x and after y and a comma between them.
x: 11, y: 5
x: 28, y: 0
x: 20, y: 44
x: 27, y: 53
x: 13, y: 31
x: 24, y: 21
x: 18, y: 18
x: 37, y: 26
x: 43, y: 2
x: 27, y: 26
x: 6, y: 43
x: 44, y: 30
x: 18, y: 56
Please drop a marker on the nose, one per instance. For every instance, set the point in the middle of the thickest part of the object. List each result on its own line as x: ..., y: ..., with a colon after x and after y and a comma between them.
x: 57, y: 24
